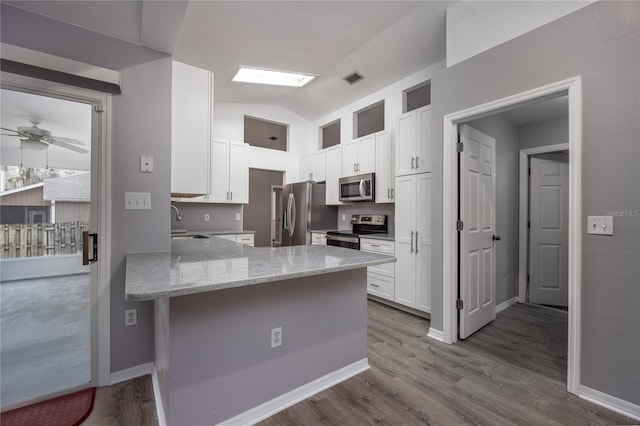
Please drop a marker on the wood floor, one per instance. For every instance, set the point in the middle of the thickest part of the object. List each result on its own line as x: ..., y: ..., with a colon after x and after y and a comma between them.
x: 511, y: 372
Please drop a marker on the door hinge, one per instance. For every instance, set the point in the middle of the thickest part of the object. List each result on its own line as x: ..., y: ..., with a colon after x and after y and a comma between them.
x: 459, y: 225
x: 98, y: 107
x: 529, y: 171
x: 459, y: 304
x: 527, y: 278
x: 529, y: 225
x: 460, y: 147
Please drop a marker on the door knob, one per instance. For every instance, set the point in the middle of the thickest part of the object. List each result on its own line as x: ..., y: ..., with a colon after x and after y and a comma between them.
x: 495, y: 238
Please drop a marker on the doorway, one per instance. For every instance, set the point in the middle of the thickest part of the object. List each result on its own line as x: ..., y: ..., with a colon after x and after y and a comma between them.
x: 451, y: 243
x: 51, y: 306
x: 257, y: 214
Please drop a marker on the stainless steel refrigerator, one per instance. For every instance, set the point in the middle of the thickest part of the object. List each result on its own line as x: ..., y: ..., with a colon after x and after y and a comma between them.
x: 297, y: 209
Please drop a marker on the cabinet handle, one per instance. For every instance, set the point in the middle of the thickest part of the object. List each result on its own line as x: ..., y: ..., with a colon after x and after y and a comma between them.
x: 388, y: 193
x: 375, y: 245
x: 417, y: 164
x: 374, y: 285
x: 230, y: 195
x: 413, y: 161
x: 393, y: 193
x: 411, y: 241
x: 417, y: 245
x: 354, y: 167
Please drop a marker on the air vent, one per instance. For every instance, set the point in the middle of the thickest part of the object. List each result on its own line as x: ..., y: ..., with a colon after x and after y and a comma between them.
x: 353, y: 78
x: 273, y: 138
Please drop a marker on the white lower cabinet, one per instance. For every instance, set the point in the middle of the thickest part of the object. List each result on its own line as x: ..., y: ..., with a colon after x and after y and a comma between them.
x: 380, y: 278
x: 413, y: 241
x: 247, y: 239
x: 319, y: 238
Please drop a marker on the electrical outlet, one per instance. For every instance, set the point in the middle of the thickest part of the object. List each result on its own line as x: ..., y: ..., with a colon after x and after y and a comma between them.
x: 237, y: 216
x: 206, y: 217
x: 146, y: 164
x: 276, y: 337
x: 130, y: 317
x: 344, y: 217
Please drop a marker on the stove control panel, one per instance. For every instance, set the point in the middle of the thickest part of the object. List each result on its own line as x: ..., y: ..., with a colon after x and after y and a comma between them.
x: 368, y: 219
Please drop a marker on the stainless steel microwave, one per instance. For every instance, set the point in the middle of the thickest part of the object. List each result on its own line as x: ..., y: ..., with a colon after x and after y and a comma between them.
x: 358, y: 188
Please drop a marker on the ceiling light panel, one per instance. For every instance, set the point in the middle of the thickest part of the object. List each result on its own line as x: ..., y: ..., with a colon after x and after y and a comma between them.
x: 273, y: 77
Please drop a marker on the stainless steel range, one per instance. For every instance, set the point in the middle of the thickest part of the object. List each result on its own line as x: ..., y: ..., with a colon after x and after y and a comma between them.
x: 362, y: 224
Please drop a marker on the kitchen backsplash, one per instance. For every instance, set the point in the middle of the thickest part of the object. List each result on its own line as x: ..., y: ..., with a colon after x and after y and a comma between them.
x: 363, y: 208
x: 222, y: 217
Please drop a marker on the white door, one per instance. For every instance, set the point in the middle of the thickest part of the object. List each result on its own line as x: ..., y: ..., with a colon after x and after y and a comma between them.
x: 477, y: 211
x: 405, y: 216
x: 423, y: 242
x: 239, y: 173
x: 406, y: 144
x: 548, y: 235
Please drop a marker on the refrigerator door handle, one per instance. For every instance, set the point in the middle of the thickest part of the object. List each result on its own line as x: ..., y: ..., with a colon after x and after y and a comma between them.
x: 292, y: 214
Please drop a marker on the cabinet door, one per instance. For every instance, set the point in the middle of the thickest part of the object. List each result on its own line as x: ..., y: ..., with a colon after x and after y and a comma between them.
x: 349, y: 158
x: 306, y: 168
x: 319, y: 171
x: 333, y: 170
x: 238, y: 173
x: 190, y: 118
x: 423, y: 139
x: 380, y: 285
x: 384, y: 167
x: 405, y: 217
x: 219, y: 192
x: 423, y: 255
x: 406, y: 144
x: 366, y: 154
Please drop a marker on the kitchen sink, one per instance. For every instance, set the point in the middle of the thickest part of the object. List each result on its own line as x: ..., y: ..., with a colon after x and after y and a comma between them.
x: 188, y: 237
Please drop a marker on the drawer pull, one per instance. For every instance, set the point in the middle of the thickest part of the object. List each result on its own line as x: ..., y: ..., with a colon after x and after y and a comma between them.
x: 375, y: 245
x: 375, y: 285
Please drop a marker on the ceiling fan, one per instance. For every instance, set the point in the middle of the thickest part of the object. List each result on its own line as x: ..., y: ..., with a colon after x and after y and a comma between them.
x: 36, y: 138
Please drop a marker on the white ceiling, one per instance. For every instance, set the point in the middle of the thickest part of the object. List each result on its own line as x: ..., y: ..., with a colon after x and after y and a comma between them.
x: 383, y: 40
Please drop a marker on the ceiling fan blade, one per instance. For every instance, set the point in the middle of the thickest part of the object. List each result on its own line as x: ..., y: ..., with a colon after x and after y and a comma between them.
x: 72, y: 147
x: 7, y: 134
x: 10, y: 130
x: 56, y: 139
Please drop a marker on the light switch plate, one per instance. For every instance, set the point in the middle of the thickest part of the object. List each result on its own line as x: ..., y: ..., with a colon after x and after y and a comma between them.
x: 137, y: 201
x: 146, y: 163
x: 600, y: 225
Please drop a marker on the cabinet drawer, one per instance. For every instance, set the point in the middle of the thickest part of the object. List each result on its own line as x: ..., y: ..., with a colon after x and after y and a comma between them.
x: 318, y: 238
x: 388, y: 269
x: 245, y: 239
x: 381, y: 286
x: 377, y: 246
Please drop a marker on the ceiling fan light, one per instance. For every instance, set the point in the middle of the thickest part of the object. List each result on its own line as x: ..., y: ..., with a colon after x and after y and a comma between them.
x: 34, y: 146
x: 273, y: 77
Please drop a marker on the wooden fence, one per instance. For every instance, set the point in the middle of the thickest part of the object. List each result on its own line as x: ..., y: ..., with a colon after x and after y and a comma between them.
x: 41, y: 239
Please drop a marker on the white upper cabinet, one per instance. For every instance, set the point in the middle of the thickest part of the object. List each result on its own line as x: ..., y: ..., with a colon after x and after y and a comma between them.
x: 312, y: 167
x: 413, y: 142
x: 384, y: 167
x: 230, y: 173
x: 191, y: 117
x: 359, y: 156
x: 333, y: 173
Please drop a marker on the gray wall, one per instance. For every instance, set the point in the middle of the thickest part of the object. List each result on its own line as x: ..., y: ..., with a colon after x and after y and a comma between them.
x: 506, y: 136
x: 222, y: 217
x: 315, y: 341
x: 599, y: 43
x: 365, y: 208
x: 542, y: 133
x: 141, y: 126
x: 257, y: 214
x: 257, y: 133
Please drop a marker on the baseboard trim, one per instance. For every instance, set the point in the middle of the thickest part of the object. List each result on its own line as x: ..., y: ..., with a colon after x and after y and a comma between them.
x: 506, y: 304
x: 162, y: 421
x: 131, y: 373
x: 282, y: 402
x: 435, y: 334
x: 612, y: 403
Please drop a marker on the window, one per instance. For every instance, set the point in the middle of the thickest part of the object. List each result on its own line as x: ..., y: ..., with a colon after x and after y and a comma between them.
x: 369, y: 120
x: 330, y: 134
x: 265, y: 134
x: 417, y: 96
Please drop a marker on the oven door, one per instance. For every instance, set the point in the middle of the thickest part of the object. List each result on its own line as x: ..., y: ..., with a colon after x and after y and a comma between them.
x: 342, y: 241
x: 358, y: 188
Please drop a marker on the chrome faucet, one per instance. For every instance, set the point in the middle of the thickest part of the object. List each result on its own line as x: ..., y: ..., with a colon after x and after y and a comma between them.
x: 178, y: 216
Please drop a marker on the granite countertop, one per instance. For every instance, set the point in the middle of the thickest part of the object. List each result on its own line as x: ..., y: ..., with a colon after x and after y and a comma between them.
x: 196, y: 232
x: 209, y: 264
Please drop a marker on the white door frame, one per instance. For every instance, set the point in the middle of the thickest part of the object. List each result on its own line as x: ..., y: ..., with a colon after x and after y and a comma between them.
x: 101, y: 130
x: 572, y: 87
x: 523, y: 213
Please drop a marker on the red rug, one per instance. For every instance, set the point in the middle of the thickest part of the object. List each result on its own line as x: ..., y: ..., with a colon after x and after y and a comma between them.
x: 67, y: 410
